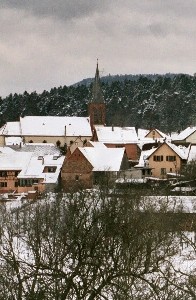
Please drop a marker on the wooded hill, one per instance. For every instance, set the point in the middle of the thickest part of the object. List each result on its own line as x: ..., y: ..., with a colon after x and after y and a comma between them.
x: 167, y: 102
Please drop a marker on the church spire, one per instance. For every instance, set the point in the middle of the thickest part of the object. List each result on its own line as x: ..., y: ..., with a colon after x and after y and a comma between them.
x: 97, y: 91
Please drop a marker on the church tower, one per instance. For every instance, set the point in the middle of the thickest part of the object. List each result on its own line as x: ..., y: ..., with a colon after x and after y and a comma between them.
x: 96, y: 107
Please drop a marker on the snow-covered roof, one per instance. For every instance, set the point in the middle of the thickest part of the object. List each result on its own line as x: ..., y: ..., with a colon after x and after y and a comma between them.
x: 55, y: 126
x: 40, y: 149
x: 181, y: 151
x: 163, y: 135
x: 35, y: 168
x: 174, y: 135
x: 6, y: 150
x: 11, y: 128
x: 104, y: 159
x: 142, y: 133
x: 96, y: 144
x: 14, y: 160
x: 121, y: 135
x: 144, y: 156
x: 185, y: 133
x: 48, y: 126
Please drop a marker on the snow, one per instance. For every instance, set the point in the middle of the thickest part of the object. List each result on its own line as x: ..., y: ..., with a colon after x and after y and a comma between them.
x: 192, y: 153
x: 184, y: 189
x: 121, y: 135
x: 144, y: 156
x: 175, y: 204
x: 131, y: 180
x: 55, y: 126
x: 163, y: 135
x: 186, y: 133
x: 48, y: 126
x: 11, y: 128
x: 142, y: 133
x: 15, y: 140
x: 14, y: 160
x: 182, y: 152
x: 35, y: 168
x: 179, y: 150
x: 6, y: 150
x: 40, y: 149
x: 97, y: 144
x: 29, y: 164
x: 104, y: 159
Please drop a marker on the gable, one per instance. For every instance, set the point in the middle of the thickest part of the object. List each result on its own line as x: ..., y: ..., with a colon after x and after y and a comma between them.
x: 155, y: 134
x: 168, y: 149
x: 76, y: 163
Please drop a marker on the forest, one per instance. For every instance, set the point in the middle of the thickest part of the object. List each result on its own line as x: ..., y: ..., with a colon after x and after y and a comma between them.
x: 166, y: 102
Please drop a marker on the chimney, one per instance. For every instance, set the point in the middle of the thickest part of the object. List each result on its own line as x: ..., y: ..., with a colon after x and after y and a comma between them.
x: 112, y: 127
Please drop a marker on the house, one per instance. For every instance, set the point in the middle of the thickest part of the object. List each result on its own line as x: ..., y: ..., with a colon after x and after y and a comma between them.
x: 34, y: 167
x: 186, y: 136
x: 60, y: 131
x: 11, y: 165
x: 156, y: 134
x: 119, y: 137
x: 41, y: 174
x: 167, y: 159
x: 91, y: 165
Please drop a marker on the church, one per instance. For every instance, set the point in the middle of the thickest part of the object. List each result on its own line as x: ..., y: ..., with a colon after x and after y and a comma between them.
x: 63, y: 131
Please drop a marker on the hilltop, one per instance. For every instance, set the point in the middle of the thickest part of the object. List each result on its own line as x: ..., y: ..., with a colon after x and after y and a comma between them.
x: 167, y: 102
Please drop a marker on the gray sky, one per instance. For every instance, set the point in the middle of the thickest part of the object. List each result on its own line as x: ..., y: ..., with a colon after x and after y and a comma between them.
x: 47, y: 43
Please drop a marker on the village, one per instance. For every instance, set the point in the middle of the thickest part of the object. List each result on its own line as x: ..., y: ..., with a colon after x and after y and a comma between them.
x: 39, y: 153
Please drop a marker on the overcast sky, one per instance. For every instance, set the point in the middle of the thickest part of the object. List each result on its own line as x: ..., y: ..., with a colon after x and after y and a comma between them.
x: 47, y: 43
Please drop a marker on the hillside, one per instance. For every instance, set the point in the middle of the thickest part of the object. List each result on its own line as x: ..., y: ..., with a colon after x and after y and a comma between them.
x: 167, y: 102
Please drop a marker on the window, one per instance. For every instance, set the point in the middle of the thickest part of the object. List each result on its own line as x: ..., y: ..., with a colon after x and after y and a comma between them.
x: 171, y: 158
x: 3, y: 184
x: 26, y: 182
x: 3, y: 173
x: 158, y: 157
x: 163, y: 171
x: 51, y: 169
x: 58, y: 143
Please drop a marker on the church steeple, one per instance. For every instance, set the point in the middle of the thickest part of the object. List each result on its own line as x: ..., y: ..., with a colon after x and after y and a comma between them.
x: 97, y: 96
x: 96, y: 107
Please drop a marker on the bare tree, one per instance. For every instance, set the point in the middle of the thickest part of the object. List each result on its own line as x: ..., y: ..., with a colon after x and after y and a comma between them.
x: 88, y: 245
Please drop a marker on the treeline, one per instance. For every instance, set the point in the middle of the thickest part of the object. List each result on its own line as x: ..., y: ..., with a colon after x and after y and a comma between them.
x: 166, y: 102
